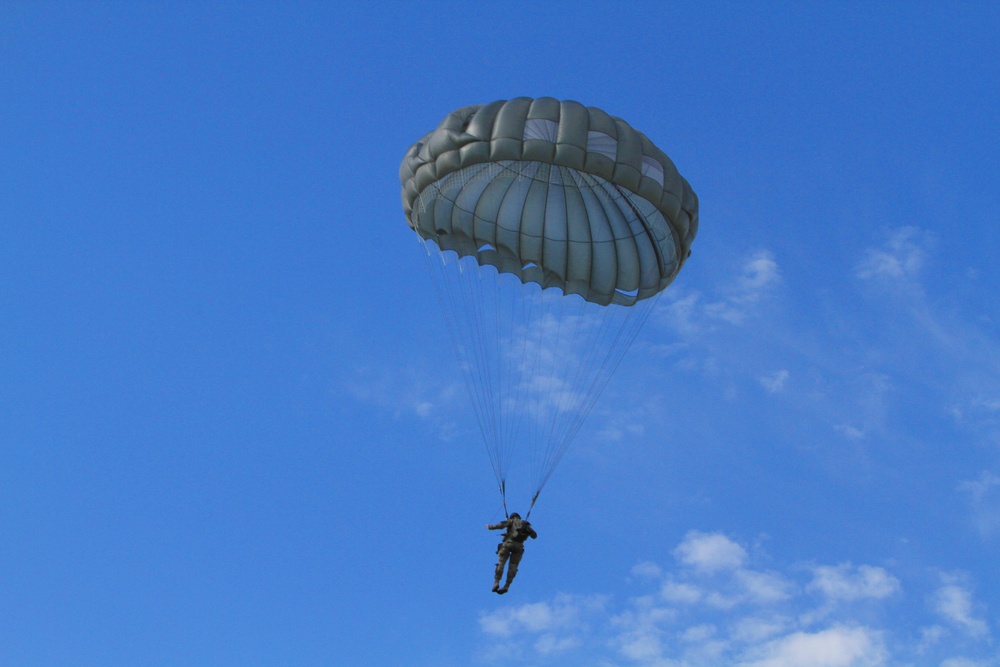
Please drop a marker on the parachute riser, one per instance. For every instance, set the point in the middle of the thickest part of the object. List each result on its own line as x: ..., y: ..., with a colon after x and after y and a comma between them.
x: 532, y: 506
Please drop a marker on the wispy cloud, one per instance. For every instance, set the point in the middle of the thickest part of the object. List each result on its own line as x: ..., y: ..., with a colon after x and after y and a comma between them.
x: 984, y: 496
x: 863, y: 367
x: 409, y: 392
x: 852, y: 432
x: 845, y: 582
x: 930, y: 335
x: 563, y: 612
x: 554, y: 627
x: 736, y: 301
x: 647, y: 570
x: 900, y: 258
x: 954, y: 602
x: 775, y: 382
x: 759, y: 274
x: 968, y: 662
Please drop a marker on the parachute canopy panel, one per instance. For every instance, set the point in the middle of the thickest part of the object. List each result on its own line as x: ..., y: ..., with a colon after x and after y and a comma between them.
x: 554, y: 193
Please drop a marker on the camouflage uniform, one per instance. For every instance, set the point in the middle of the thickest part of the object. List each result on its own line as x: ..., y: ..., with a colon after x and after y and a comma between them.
x: 512, y: 548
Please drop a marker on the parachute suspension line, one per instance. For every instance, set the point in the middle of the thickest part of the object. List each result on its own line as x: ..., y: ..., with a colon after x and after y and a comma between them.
x: 477, y: 305
x: 582, y: 363
x: 624, y: 339
x: 472, y: 304
x: 583, y: 368
x: 503, y: 498
x: 552, y: 357
x: 539, y: 381
x: 473, y: 360
x: 560, y: 404
x: 438, y: 266
x: 529, y: 308
x: 514, y: 362
x: 503, y: 437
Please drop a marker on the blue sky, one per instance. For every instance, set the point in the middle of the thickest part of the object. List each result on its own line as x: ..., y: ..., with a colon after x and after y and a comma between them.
x: 232, y: 431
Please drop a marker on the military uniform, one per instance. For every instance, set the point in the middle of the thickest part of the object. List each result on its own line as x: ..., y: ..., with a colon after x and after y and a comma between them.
x: 512, y: 548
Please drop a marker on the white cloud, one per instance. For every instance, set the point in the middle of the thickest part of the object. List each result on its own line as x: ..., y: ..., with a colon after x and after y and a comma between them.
x: 555, y: 627
x: 851, y: 432
x: 714, y: 608
x: 955, y: 604
x: 622, y: 426
x: 759, y: 271
x: 838, y: 646
x: 775, y: 382
x: 699, y: 633
x: 640, y: 632
x: 901, y: 257
x: 984, y: 495
x: 849, y: 583
x: 681, y: 310
x: 689, y: 314
x: 714, y: 575
x: 681, y: 593
x: 563, y: 612
x: 710, y: 552
x: 755, y: 629
x: 968, y: 662
x: 987, y: 404
x: 647, y: 570
x: 758, y: 275
x: 930, y: 637
x: 549, y: 644
x: 529, y: 618
x: 764, y: 587
x: 410, y: 392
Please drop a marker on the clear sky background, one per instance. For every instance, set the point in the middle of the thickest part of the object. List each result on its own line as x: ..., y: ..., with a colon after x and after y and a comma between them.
x: 231, y: 428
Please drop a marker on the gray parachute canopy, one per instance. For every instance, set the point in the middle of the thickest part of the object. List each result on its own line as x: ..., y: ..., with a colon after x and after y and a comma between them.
x: 555, y: 193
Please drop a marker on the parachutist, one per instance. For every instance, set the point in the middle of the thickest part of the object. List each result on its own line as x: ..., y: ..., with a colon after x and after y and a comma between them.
x: 512, y: 548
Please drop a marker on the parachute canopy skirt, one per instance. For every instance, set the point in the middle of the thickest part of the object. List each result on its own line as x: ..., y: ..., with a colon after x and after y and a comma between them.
x: 554, y: 193
x: 549, y: 227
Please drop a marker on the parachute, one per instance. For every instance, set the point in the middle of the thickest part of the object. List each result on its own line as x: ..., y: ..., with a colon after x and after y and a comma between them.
x: 549, y: 228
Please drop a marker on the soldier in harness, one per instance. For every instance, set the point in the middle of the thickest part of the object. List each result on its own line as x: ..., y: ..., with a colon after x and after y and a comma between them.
x: 512, y: 547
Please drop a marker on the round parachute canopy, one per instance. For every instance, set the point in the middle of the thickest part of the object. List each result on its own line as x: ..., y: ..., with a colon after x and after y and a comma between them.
x: 549, y: 228
x: 555, y: 193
